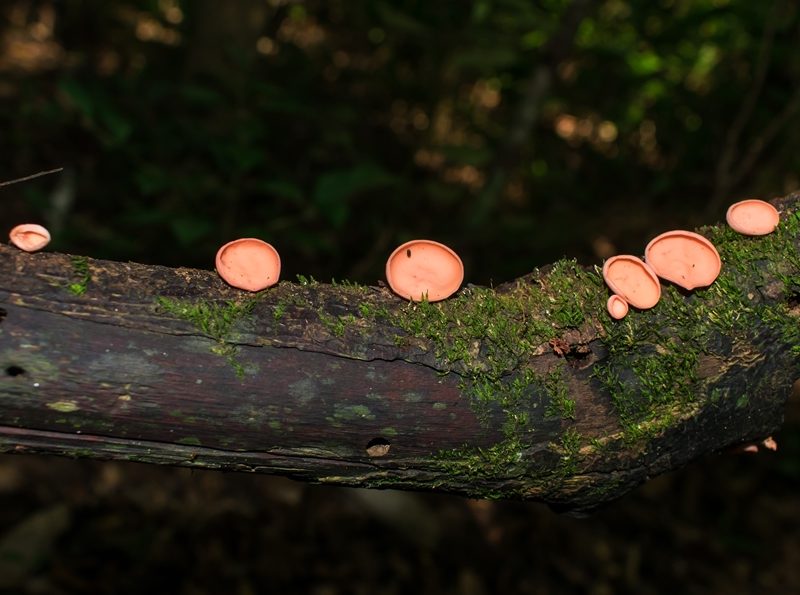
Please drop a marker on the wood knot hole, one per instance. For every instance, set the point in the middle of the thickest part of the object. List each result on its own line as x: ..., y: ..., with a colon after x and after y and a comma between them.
x: 14, y: 371
x: 378, y: 447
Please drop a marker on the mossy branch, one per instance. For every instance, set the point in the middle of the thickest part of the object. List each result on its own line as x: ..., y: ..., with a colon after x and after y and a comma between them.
x: 528, y: 390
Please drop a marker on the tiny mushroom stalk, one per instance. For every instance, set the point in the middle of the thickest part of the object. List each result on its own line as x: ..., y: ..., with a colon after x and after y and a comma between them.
x: 424, y: 270
x: 685, y: 258
x: 29, y: 237
x: 632, y: 280
x: 248, y: 263
x: 752, y: 217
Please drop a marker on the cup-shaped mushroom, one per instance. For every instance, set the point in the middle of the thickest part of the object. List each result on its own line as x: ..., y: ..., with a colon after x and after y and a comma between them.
x: 752, y: 217
x: 683, y: 257
x: 248, y: 263
x: 424, y: 269
x: 632, y: 280
x: 29, y: 237
x: 617, y: 307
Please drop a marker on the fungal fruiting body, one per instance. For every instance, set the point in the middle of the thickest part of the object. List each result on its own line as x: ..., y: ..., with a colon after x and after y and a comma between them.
x: 632, y: 280
x: 29, y: 237
x: 617, y: 307
x: 752, y: 217
x: 684, y: 257
x: 424, y: 269
x: 248, y: 263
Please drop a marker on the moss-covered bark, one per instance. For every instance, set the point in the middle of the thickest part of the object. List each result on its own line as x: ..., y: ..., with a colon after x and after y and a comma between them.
x: 528, y: 390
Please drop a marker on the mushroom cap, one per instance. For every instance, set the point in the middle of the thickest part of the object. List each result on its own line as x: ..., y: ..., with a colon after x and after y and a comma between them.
x: 617, y: 307
x: 683, y: 257
x: 752, y: 217
x: 248, y: 263
x: 424, y: 269
x: 632, y: 280
x: 29, y: 237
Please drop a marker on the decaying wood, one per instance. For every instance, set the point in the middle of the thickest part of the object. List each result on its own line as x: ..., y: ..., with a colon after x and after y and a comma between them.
x: 328, y: 383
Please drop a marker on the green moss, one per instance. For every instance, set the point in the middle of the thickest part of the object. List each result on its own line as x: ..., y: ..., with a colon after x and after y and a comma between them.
x: 307, y: 281
x: 477, y: 462
x: 334, y: 324
x: 337, y: 325
x: 369, y: 310
x: 80, y: 271
x: 652, y: 362
x: 751, y: 264
x: 489, y: 339
x: 650, y: 377
x: 350, y: 286
x: 557, y: 391
x: 570, y: 451
x: 216, y: 320
x: 483, y: 332
x: 189, y: 441
x: 651, y: 374
x: 213, y: 319
x: 278, y: 311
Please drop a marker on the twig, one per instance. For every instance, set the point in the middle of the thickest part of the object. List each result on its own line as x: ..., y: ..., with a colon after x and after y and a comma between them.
x: 32, y: 176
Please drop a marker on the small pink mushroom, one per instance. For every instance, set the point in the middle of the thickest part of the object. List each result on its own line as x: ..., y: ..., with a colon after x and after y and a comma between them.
x: 248, y: 263
x: 424, y: 269
x: 29, y: 237
x: 753, y: 217
x: 617, y: 307
x: 684, y: 257
x: 769, y: 443
x: 632, y: 280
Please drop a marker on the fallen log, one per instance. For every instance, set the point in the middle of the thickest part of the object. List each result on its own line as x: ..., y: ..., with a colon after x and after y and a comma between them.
x: 528, y: 390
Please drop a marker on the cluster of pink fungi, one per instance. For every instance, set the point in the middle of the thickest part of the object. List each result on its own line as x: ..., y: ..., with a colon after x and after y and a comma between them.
x: 427, y: 270
x: 684, y: 258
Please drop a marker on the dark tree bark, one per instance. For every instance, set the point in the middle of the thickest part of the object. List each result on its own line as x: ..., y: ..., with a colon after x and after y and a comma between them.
x: 525, y: 391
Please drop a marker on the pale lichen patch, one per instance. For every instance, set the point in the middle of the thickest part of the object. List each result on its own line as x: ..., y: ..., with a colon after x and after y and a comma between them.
x: 64, y: 406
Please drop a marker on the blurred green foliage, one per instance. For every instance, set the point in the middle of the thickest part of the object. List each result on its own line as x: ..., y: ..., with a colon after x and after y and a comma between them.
x: 514, y: 131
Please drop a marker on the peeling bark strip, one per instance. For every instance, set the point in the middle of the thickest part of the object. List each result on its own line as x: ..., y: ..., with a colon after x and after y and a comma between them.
x: 528, y: 390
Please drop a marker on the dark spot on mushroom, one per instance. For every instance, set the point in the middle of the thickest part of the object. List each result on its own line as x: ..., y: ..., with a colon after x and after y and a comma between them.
x: 408, y: 252
x: 378, y: 447
x: 14, y: 371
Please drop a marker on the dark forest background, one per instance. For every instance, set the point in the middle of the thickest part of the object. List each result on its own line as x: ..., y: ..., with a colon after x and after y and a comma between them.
x: 515, y: 131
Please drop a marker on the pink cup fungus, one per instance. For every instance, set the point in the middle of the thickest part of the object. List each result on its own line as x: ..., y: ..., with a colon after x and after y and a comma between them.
x: 752, y: 217
x: 617, y: 307
x: 29, y: 237
x: 684, y: 257
x: 632, y: 280
x: 248, y: 263
x: 424, y: 269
